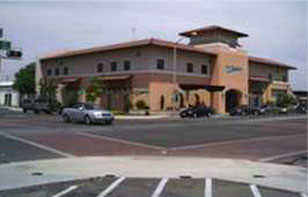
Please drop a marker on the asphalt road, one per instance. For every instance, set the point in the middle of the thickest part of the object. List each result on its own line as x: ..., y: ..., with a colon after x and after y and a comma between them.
x: 31, y: 137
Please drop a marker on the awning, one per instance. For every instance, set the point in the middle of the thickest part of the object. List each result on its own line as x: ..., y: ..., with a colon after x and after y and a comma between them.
x: 210, y: 88
x: 115, y: 78
x: 69, y: 79
x: 259, y: 78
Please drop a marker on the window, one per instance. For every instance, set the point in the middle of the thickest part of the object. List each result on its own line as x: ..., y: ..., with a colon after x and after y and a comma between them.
x: 204, y: 70
x: 126, y: 65
x: 49, y: 72
x: 57, y: 72
x: 160, y: 64
x: 113, y: 66
x: 284, y: 78
x: 99, y: 67
x: 65, y: 71
x: 189, y: 68
x: 270, y: 77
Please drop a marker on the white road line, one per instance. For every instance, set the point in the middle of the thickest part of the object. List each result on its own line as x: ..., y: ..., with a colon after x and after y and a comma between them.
x: 43, y: 147
x: 208, y: 187
x: 266, y: 159
x: 303, y: 195
x: 255, y: 191
x: 120, y: 140
x: 234, y: 142
x: 66, y: 191
x: 160, y: 187
x: 111, y: 187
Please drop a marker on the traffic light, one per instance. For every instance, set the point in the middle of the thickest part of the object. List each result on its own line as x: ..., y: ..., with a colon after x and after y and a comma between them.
x: 14, y: 54
x: 1, y: 33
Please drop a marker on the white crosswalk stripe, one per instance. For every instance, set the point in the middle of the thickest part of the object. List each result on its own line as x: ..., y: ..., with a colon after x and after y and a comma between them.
x: 66, y: 191
x: 255, y: 191
x: 111, y: 187
x: 208, y: 187
x: 160, y: 187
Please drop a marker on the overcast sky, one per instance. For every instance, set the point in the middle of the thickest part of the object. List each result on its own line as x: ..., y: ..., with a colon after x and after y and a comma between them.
x: 276, y: 29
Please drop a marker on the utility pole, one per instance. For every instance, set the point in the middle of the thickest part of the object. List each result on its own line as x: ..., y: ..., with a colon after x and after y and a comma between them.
x: 6, y: 51
x: 175, y: 72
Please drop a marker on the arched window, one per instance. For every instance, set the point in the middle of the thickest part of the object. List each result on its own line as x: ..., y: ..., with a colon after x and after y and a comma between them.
x: 99, y: 67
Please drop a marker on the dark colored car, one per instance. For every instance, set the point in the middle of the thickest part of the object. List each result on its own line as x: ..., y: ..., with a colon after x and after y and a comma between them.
x: 269, y: 109
x: 196, y: 112
x: 38, y: 105
x: 244, y: 110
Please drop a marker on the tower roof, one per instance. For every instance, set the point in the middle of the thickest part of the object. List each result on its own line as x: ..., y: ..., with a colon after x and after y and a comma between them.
x: 212, y: 28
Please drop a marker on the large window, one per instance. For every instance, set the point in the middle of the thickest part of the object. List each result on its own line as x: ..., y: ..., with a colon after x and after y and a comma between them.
x: 189, y: 68
x: 65, y: 71
x: 99, y: 67
x: 126, y: 65
x: 57, y: 71
x: 113, y: 66
x: 49, y: 71
x: 160, y: 64
x: 204, y: 69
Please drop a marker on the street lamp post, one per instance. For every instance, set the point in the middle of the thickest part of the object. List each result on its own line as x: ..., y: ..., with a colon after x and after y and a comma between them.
x: 175, y: 71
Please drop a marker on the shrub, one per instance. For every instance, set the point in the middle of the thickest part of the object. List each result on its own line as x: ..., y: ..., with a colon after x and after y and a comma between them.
x: 140, y: 104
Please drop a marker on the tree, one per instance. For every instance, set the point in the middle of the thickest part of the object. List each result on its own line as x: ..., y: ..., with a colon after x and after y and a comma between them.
x: 25, y: 80
x: 48, y: 90
x: 284, y: 100
x: 94, y: 90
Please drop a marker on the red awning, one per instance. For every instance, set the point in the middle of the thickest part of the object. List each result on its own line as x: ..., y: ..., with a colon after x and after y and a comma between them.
x: 115, y: 78
x: 259, y: 78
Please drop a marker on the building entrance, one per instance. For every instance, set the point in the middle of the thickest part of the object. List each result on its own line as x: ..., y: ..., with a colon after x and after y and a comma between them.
x: 232, y: 99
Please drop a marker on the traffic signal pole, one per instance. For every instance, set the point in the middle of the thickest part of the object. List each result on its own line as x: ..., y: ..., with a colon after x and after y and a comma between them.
x: 5, y: 50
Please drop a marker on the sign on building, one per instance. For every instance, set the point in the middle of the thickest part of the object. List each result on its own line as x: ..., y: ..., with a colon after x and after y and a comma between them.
x: 232, y: 69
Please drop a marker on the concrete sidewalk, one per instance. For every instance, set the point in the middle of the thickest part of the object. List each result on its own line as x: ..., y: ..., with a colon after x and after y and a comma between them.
x: 15, y: 175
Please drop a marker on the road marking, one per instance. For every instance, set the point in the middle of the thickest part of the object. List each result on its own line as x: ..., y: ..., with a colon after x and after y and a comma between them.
x: 111, y: 187
x: 255, y: 191
x: 43, y: 147
x: 208, y: 187
x: 160, y: 187
x: 120, y: 140
x: 303, y: 195
x: 233, y: 142
x: 66, y: 191
x: 266, y: 159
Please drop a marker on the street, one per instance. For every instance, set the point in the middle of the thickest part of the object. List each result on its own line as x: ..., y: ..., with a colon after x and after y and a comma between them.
x: 32, y: 137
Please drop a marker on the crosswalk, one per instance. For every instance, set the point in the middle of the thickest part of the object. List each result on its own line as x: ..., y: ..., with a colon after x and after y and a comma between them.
x: 135, y: 187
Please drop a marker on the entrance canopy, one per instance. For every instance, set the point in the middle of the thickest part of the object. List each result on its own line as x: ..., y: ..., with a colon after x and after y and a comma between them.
x: 210, y: 88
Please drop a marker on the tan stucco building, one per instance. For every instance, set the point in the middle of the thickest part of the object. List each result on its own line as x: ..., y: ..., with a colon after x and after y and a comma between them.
x: 212, y: 69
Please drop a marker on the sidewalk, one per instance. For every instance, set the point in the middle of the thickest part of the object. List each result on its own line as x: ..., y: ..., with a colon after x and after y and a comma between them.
x: 283, y: 177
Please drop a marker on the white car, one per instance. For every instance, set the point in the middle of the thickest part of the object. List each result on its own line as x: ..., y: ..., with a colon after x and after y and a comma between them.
x: 87, y: 113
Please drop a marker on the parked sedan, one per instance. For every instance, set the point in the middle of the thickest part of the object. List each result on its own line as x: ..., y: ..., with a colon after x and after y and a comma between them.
x: 87, y: 113
x: 196, y: 112
x: 244, y: 110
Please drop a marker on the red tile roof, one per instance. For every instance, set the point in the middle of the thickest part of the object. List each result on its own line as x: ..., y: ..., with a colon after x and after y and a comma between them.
x: 137, y: 43
x: 270, y: 62
x: 210, y: 29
